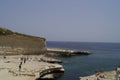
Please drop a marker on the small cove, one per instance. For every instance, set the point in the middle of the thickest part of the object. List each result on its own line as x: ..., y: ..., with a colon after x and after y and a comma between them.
x: 104, y: 57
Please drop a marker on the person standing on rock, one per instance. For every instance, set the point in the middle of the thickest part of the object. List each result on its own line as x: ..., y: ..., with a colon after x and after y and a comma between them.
x: 20, y: 66
x: 24, y: 60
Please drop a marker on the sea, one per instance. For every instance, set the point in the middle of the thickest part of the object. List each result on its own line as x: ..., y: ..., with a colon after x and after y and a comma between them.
x: 103, y: 57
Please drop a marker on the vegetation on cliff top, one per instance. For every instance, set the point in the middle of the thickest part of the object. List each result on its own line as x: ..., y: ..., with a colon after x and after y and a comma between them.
x: 4, y: 31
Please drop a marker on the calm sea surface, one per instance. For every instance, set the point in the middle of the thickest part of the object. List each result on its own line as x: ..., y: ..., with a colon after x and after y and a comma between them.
x: 105, y: 57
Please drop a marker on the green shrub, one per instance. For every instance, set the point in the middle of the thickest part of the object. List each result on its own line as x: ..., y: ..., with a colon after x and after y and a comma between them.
x: 4, y: 31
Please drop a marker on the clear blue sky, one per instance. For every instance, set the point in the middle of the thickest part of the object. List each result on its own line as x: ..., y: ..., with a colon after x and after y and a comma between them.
x: 63, y: 20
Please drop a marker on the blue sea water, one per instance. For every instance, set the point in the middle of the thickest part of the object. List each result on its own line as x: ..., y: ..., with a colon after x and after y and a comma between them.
x: 104, y: 57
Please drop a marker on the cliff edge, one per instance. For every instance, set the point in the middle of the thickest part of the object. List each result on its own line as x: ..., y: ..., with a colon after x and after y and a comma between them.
x: 17, y: 43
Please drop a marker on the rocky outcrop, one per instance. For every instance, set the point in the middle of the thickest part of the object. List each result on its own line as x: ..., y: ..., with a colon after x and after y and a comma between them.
x: 63, y: 52
x: 17, y: 43
x: 31, y: 69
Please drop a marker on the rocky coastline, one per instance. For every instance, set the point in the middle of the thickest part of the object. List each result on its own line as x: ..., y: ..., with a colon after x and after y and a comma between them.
x: 31, y: 68
x: 25, y: 57
x: 22, y: 57
x: 107, y: 75
x: 64, y: 52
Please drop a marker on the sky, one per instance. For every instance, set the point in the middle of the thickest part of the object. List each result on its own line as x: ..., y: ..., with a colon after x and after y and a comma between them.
x: 63, y: 20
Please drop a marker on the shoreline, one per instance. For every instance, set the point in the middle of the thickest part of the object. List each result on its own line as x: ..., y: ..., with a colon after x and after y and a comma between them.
x: 29, y: 70
x: 64, y: 52
x: 107, y: 75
